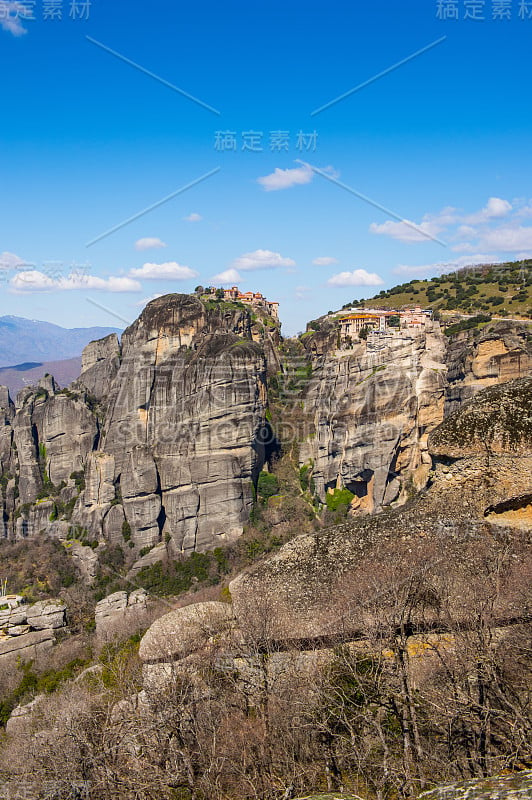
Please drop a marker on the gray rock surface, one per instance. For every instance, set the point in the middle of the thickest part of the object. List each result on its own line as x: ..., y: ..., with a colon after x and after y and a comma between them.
x: 185, y: 630
x: 480, y: 358
x: 21, y: 717
x: 517, y: 786
x: 43, y: 615
x: 163, y: 434
x: 118, y: 609
x: 46, y: 615
x: 184, y: 413
x: 372, y: 408
x: 292, y: 593
x: 99, y: 364
x: 28, y: 646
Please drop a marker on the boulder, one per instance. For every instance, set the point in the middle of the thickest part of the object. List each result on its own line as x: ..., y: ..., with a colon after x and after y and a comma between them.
x: 46, y: 615
x: 498, y: 422
x: 119, y: 608
x: 517, y: 786
x: 21, y: 717
x: 111, y: 605
x: 184, y: 631
x: 27, y: 646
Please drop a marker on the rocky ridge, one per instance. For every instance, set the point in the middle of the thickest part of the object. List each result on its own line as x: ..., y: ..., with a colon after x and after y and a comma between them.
x: 158, y: 445
x: 160, y: 439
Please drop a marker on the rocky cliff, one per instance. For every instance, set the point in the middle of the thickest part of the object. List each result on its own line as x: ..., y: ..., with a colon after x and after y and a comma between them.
x: 160, y: 442
x: 479, y: 358
x: 372, y: 408
x: 161, y: 439
x: 480, y: 490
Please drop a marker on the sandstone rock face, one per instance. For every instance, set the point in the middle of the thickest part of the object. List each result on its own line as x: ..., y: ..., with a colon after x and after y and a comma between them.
x: 26, y: 631
x: 185, y: 415
x: 99, y: 364
x: 482, y: 484
x: 163, y: 436
x: 46, y: 615
x: 477, y: 359
x: 119, y: 611
x: 111, y: 604
x: 160, y: 439
x: 7, y: 413
x: 483, y: 454
x: 372, y: 410
x: 85, y: 559
x: 25, y: 647
x: 54, y: 433
x: 498, y: 421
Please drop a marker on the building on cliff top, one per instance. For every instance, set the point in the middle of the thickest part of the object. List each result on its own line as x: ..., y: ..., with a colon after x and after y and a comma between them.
x: 255, y: 299
x: 352, y: 324
x: 416, y: 317
x: 375, y: 321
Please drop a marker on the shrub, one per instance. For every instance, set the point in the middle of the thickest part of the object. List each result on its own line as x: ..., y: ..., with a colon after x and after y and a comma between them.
x: 339, y: 497
x: 467, y: 324
x: 79, y: 479
x: 267, y: 485
x: 126, y: 530
x: 175, y: 577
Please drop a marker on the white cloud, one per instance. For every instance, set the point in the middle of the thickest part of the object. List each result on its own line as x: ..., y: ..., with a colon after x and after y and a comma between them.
x: 170, y: 270
x: 509, y: 239
x: 442, y: 267
x: 193, y: 217
x: 467, y: 247
x: 432, y: 224
x: 359, y: 277
x: 12, y: 15
x: 112, y: 284
x: 149, y: 243
x: 466, y: 231
x: 526, y: 211
x: 36, y: 281
x: 228, y: 276
x: 261, y: 259
x: 286, y: 178
x: 408, y: 231
x: 32, y: 281
x: 12, y: 261
x: 496, y: 208
x: 324, y: 261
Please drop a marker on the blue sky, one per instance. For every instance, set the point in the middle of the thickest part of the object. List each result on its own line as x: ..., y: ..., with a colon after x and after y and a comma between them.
x: 90, y: 140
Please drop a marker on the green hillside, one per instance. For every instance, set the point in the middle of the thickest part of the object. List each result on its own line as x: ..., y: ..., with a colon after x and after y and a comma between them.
x: 502, y: 290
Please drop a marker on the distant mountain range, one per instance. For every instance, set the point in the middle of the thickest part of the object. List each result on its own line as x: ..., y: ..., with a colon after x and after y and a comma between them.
x: 29, y: 340
x: 29, y: 373
x: 30, y: 348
